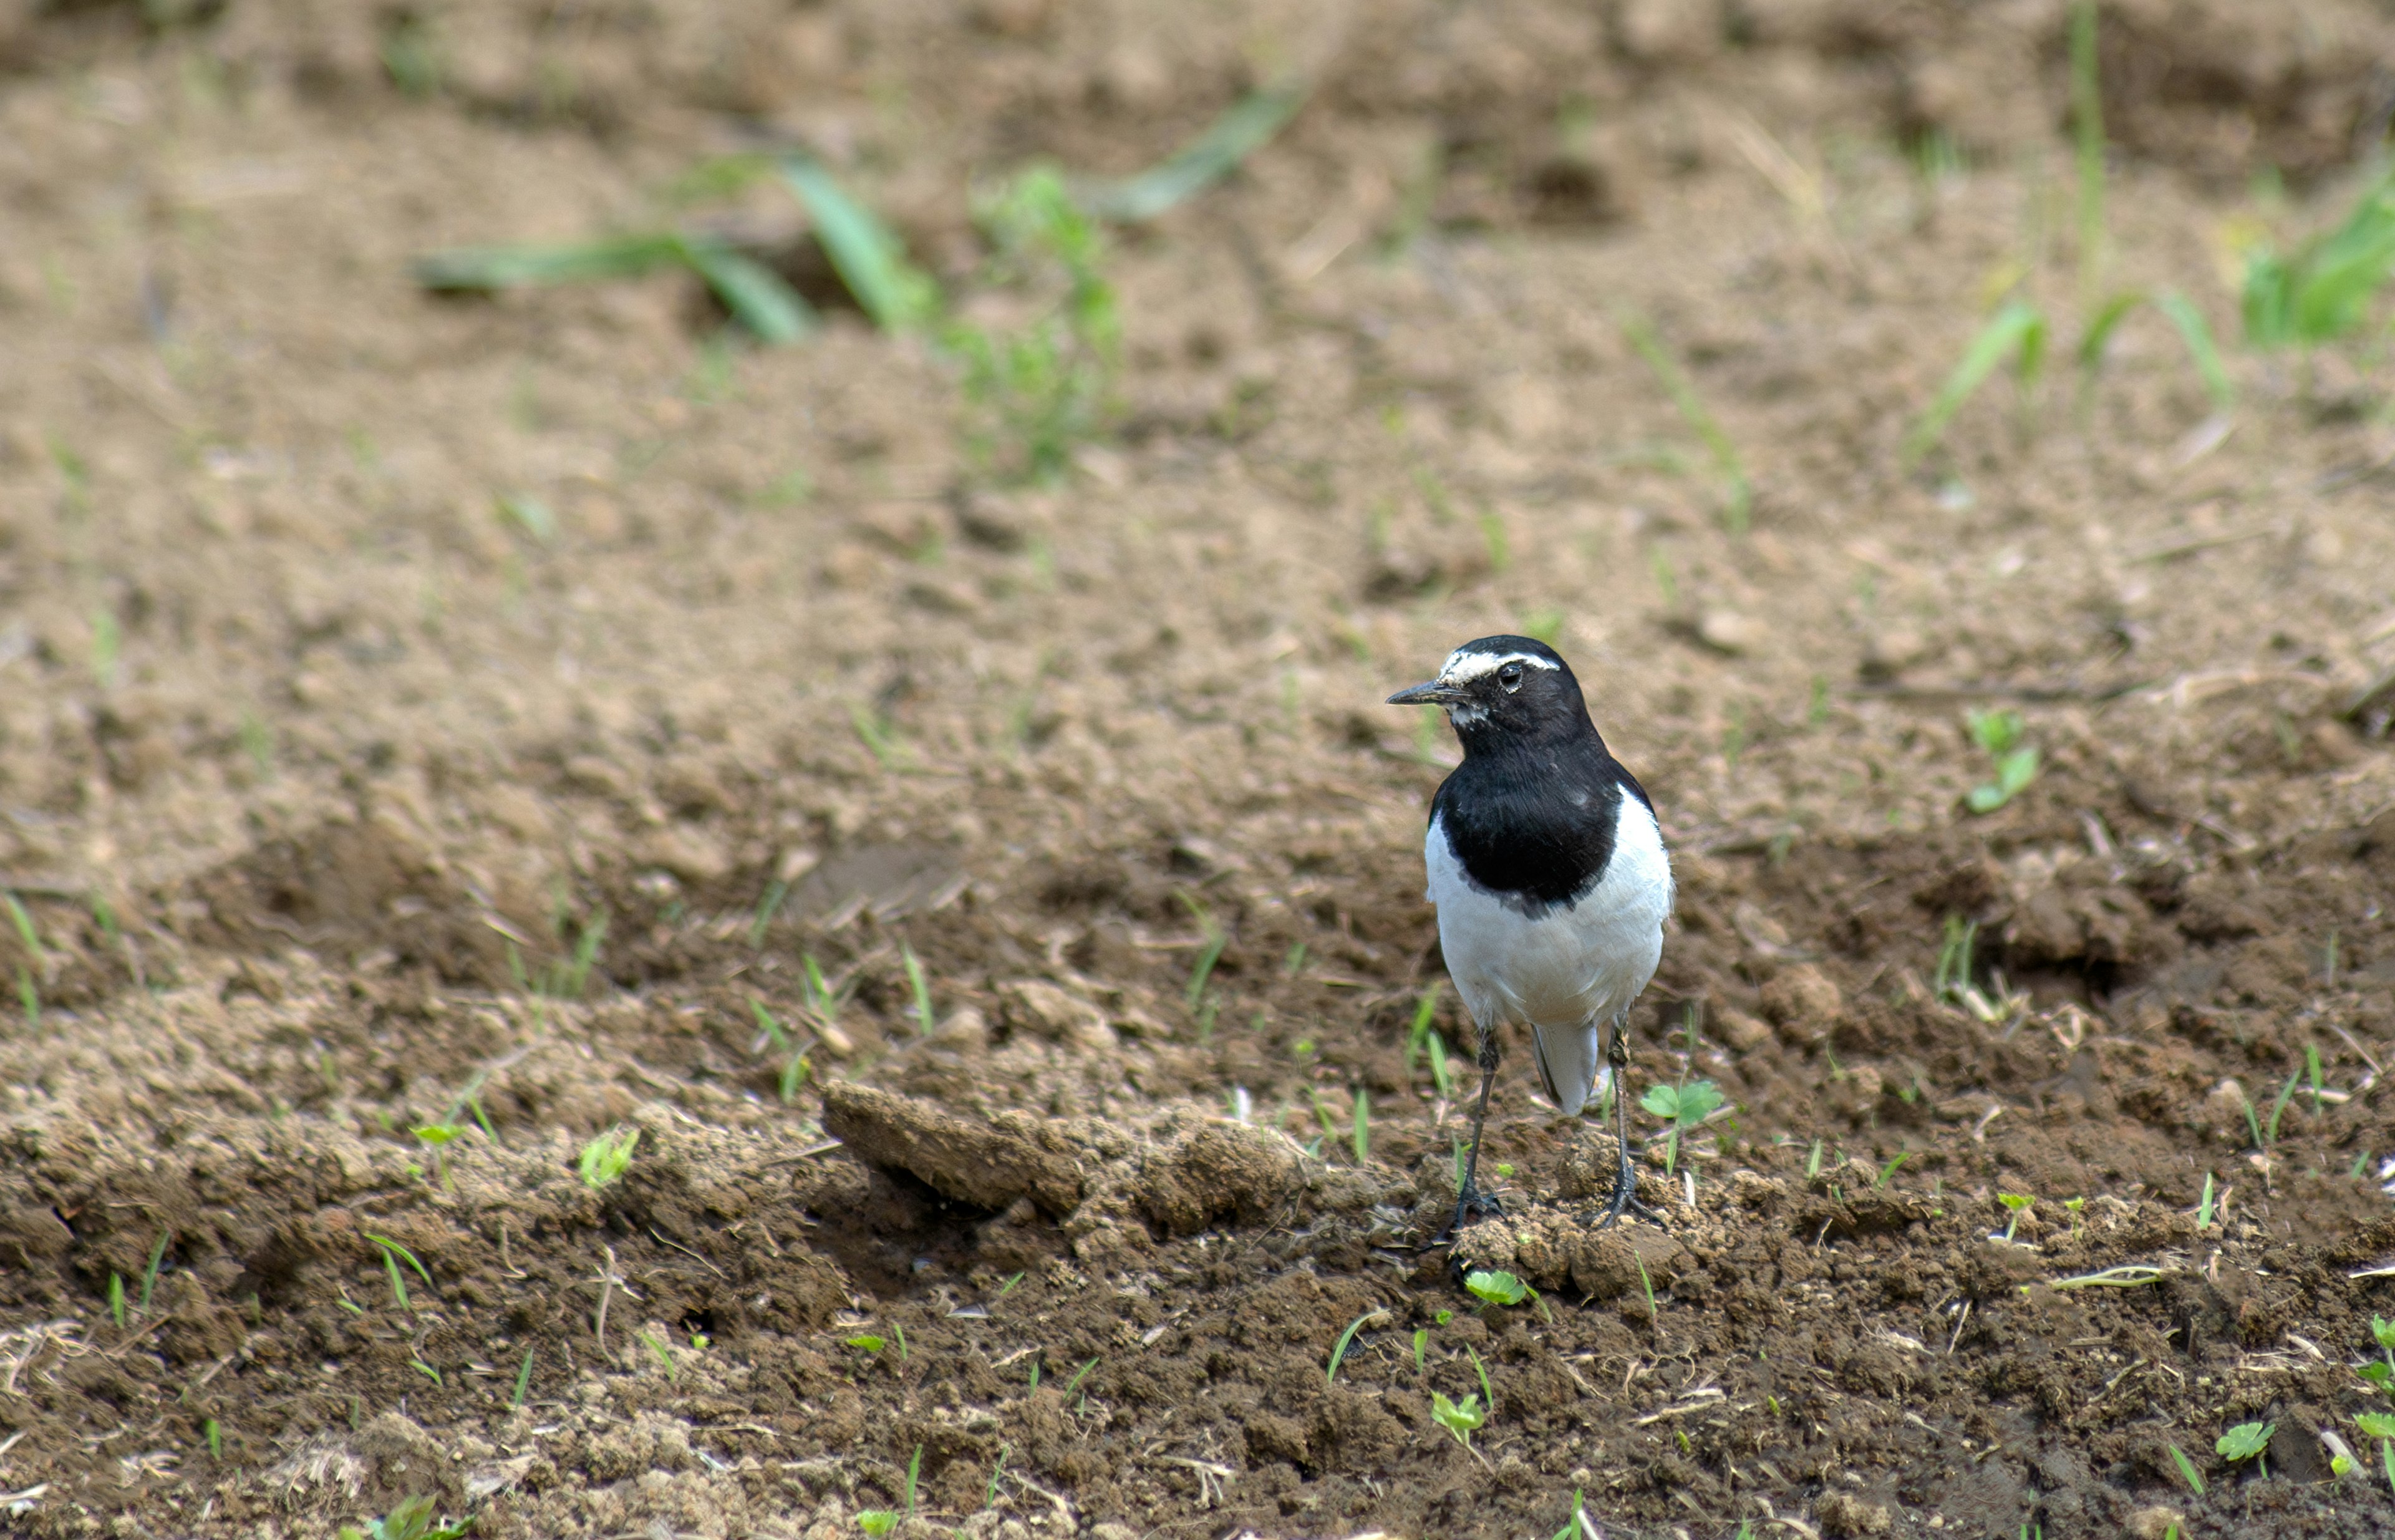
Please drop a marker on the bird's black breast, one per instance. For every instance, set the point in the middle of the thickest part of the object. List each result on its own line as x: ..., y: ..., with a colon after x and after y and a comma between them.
x: 1534, y: 827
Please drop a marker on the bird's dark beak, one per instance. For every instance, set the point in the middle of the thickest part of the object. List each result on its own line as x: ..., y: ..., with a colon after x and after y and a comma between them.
x: 1431, y: 693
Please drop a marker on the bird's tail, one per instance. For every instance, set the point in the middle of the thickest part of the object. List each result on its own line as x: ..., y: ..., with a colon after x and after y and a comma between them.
x: 1569, y: 1057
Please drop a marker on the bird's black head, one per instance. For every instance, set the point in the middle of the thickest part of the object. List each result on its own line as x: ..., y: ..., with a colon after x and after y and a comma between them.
x: 1504, y: 689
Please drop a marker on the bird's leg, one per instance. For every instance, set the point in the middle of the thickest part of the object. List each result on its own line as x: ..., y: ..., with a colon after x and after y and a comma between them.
x: 1625, y: 1174
x: 1469, y: 1200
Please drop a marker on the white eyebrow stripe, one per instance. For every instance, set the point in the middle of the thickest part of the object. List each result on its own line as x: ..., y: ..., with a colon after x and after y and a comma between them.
x: 1461, y: 666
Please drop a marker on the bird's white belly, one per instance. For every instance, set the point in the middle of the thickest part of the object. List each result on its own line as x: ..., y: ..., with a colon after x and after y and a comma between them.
x: 1567, y: 968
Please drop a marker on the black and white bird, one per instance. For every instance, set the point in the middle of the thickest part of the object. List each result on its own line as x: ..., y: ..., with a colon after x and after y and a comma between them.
x: 1550, y: 876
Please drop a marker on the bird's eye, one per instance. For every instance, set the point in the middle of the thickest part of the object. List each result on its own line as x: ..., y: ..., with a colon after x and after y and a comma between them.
x: 1511, y: 677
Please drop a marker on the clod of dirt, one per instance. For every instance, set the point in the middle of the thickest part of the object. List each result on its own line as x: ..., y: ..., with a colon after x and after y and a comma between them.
x: 1846, y: 1515
x: 1803, y: 1003
x: 1043, y: 1010
x: 1221, y: 1169
x: 1741, y: 1031
x: 1548, y: 1248
x: 973, y: 1161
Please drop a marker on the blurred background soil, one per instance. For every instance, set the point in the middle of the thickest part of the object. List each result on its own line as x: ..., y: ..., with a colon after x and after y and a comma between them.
x: 486, y: 713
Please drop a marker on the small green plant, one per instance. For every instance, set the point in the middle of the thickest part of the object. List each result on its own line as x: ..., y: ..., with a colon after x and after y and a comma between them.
x: 2381, y: 1427
x: 2247, y: 1441
x: 2018, y: 1203
x: 2204, y: 1204
x: 1360, y: 1127
x: 410, y: 1518
x: 1572, y: 1530
x: 1682, y: 1108
x: 796, y: 1065
x: 1339, y: 1349
x: 1039, y: 392
x: 523, y: 1380
x: 436, y: 1137
x: 2382, y: 1374
x: 1952, y: 978
x: 607, y: 1157
x: 116, y: 1299
x: 919, y: 987
x: 1421, y: 1346
x: 865, y: 1341
x: 1646, y: 1285
x: 2322, y: 291
x: 1461, y: 1418
x: 2287, y: 1094
x: 393, y: 1254
x: 2000, y: 733
x: 2188, y: 1473
x: 1736, y: 492
x: 214, y: 1436
x: 1442, y: 1075
x: 1503, y: 1288
x: 663, y: 1354
x: 753, y: 293
x: 881, y: 1522
x: 1214, y: 938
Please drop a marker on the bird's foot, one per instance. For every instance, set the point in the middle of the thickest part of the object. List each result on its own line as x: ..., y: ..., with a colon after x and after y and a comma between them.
x: 1625, y: 1200
x: 1470, y: 1204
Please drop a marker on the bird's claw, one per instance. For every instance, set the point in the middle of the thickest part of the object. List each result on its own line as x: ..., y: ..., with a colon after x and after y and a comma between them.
x: 1471, y: 1203
x: 1626, y: 1200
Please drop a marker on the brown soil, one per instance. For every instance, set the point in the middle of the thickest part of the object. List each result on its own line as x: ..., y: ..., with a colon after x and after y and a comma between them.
x: 312, y: 766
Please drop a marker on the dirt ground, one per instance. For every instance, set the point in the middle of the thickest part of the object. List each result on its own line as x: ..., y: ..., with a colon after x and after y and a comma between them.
x: 319, y: 773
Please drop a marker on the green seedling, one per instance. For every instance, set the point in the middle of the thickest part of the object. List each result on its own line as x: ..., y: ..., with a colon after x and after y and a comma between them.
x: 1999, y: 733
x: 2017, y: 330
x: 2382, y: 1374
x: 1360, y: 1127
x: 1574, y: 1525
x: 1646, y: 1286
x: 865, y: 1341
x: 1210, y: 950
x: 435, y: 1137
x: 116, y: 1299
x: 1418, y: 1035
x: 1813, y: 1162
x: 523, y: 1380
x: 2381, y: 1426
x: 2204, y: 1204
x: 1245, y: 127
x: 1503, y: 1288
x: 1442, y: 1075
x: 920, y: 989
x: 393, y: 1254
x: 1888, y: 1171
x: 1078, y: 1375
x: 869, y: 258
x: 150, y: 1273
x: 880, y: 741
x: 2286, y: 1094
x: 2323, y: 290
x: 1038, y: 391
x: 2247, y: 1441
x: 663, y: 1354
x: 754, y: 294
x: 1421, y: 1346
x: 1952, y: 980
x: 607, y: 1157
x: 2187, y: 1470
x: 1489, y: 1396
x: 215, y: 1437
x: 1683, y: 1107
x: 1461, y: 1418
x: 881, y: 1522
x: 1738, y: 493
x: 410, y: 1519
x: 425, y: 1369
x: 796, y: 1066
x: 2019, y: 1204
x: 898, y: 1335
x: 1339, y: 1349
x: 768, y: 905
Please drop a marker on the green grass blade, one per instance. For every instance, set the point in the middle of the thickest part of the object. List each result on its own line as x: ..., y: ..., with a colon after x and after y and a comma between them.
x: 2197, y: 335
x: 868, y: 254
x: 1244, y: 128
x: 2193, y: 1478
x: 754, y: 293
x: 2100, y: 330
x: 523, y: 1379
x: 499, y: 266
x: 1739, y: 497
x: 1338, y: 1350
x: 2018, y: 328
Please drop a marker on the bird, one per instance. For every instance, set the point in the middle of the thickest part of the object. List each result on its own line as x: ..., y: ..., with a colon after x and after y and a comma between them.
x: 1551, y: 879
